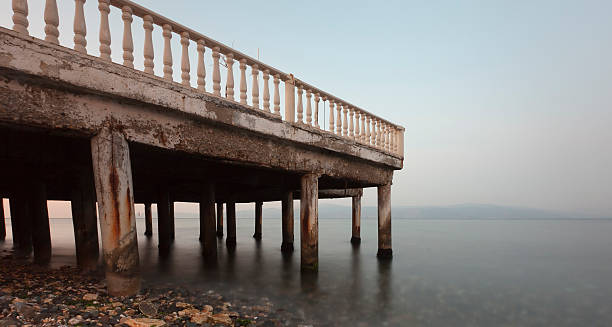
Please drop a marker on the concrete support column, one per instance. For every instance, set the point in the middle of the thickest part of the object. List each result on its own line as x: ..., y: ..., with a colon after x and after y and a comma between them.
x: 85, y: 222
x: 287, y: 222
x: 356, y: 221
x: 41, y: 235
x: 172, y: 219
x: 231, y: 224
x: 163, y: 219
x: 20, y: 221
x: 309, y: 222
x: 148, y: 220
x: 258, y: 220
x: 207, y: 221
x: 384, y: 221
x: 2, y: 222
x: 114, y: 190
x: 220, y: 219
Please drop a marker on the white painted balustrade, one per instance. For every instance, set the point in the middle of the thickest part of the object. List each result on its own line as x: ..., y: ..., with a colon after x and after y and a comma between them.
x: 346, y: 121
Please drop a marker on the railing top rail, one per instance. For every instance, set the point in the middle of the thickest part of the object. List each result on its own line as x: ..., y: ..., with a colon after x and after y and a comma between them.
x: 141, y: 11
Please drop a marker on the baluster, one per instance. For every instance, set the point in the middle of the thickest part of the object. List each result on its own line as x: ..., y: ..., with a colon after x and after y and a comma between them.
x: 308, y: 108
x: 339, y: 119
x: 128, y: 43
x: 201, y: 67
x: 276, y: 95
x: 185, y: 66
x: 266, y: 91
x: 362, y: 134
x: 216, y: 72
x: 397, y: 141
x: 381, y: 129
x: 243, y: 86
x: 384, y: 136
x: 368, y: 133
x: 255, y: 91
x: 351, y: 132
x: 167, y: 33
x: 316, y: 110
x: 331, y: 115
x: 80, y: 28
x: 149, y: 53
x: 374, y: 132
x: 356, y: 135
x: 20, y: 16
x: 392, y: 140
x: 300, y: 107
x: 104, y: 33
x: 51, y: 22
x: 388, y: 138
x: 345, y: 110
x: 229, y: 82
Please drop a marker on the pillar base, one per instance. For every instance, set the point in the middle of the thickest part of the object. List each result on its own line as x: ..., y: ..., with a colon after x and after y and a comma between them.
x: 287, y: 247
x: 355, y: 240
x: 314, y: 267
x: 219, y: 233
x: 119, y: 285
x: 385, y: 253
x: 257, y: 236
x: 230, y: 242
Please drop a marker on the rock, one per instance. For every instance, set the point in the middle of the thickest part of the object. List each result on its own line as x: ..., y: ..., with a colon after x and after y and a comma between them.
x: 183, y: 305
x: 148, y: 308
x: 207, y: 308
x: 90, y: 297
x: 200, y: 317
x: 143, y: 322
x: 75, y: 321
x: 222, y: 318
x: 26, y: 310
x: 8, y: 322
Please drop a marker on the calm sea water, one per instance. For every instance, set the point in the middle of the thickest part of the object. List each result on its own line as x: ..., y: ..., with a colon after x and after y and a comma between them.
x: 444, y: 272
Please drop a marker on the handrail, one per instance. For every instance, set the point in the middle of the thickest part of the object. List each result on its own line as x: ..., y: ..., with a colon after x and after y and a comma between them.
x: 349, y: 122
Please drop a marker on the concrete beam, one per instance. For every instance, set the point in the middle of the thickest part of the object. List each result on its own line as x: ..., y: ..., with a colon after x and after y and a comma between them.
x: 287, y: 222
x: 309, y: 222
x: 41, y: 234
x: 148, y: 220
x: 85, y: 221
x: 258, y: 220
x: 356, y: 219
x: 384, y: 222
x: 230, y: 241
x: 220, y: 219
x: 114, y: 187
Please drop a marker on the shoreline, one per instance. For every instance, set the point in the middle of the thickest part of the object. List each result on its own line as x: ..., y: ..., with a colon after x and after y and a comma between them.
x: 41, y: 296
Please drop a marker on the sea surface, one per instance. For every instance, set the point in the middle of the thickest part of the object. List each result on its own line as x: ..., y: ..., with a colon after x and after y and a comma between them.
x: 443, y: 273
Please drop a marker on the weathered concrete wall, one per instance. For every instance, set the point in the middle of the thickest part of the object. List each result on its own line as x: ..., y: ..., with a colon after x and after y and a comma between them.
x: 51, y: 87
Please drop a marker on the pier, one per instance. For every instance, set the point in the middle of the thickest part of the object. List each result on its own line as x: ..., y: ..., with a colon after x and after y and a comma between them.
x: 77, y: 126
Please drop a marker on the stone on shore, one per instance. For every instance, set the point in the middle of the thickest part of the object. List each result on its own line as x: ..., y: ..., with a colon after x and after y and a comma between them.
x: 143, y: 322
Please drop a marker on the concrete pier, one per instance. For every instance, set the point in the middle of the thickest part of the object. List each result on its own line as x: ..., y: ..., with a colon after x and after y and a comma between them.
x: 85, y: 221
x: 356, y: 220
x: 207, y: 222
x: 230, y: 241
x: 287, y: 222
x: 153, y: 140
x: 2, y: 222
x: 220, y: 219
x: 22, y: 228
x: 172, y: 219
x: 114, y: 190
x: 39, y: 215
x: 384, y: 221
x: 309, y: 222
x: 258, y: 220
x: 163, y: 219
x: 148, y: 220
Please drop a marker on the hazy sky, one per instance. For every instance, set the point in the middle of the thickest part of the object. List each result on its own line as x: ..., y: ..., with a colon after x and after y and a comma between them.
x: 504, y: 102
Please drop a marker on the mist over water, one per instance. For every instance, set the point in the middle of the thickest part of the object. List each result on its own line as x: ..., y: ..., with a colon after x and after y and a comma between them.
x: 444, y: 272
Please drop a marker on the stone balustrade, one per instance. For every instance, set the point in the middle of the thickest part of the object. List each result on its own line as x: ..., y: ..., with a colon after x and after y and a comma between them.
x: 346, y: 120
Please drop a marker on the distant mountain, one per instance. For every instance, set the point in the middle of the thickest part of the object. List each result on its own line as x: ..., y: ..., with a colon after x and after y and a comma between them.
x: 460, y: 211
